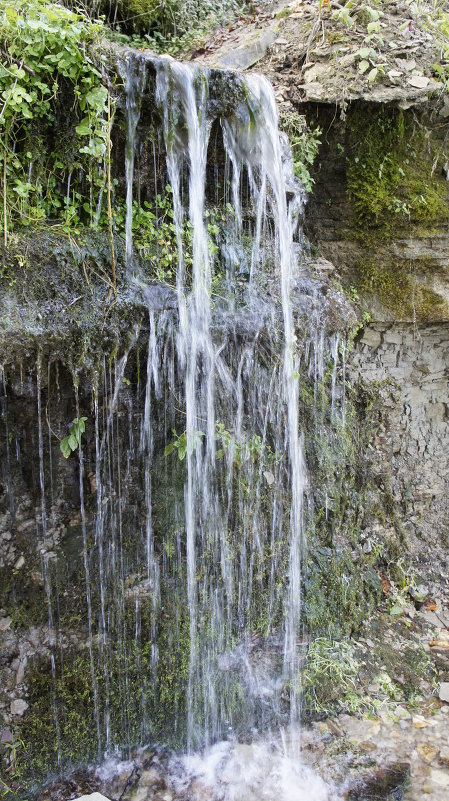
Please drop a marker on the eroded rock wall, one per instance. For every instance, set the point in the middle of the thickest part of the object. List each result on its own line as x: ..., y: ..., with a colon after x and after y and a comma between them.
x: 412, y: 446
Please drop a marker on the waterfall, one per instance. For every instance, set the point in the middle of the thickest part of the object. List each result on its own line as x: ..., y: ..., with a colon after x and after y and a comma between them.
x: 180, y: 568
x: 252, y: 144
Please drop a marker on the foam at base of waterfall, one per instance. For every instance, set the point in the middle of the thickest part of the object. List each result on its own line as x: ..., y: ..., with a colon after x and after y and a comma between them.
x: 257, y: 771
x: 263, y: 770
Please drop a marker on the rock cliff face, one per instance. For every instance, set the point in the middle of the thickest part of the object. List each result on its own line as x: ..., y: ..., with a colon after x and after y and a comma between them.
x: 397, y: 267
x: 413, y: 443
x: 380, y: 204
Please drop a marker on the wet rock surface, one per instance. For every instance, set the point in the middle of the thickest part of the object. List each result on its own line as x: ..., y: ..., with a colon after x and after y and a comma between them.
x: 45, y: 641
x: 396, y: 755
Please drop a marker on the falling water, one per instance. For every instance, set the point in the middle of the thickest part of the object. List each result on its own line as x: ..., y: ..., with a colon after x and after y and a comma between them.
x: 192, y: 480
x: 252, y: 143
x: 134, y: 74
x: 195, y: 340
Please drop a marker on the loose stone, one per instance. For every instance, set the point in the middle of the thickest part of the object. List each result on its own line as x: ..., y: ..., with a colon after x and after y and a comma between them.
x: 18, y: 707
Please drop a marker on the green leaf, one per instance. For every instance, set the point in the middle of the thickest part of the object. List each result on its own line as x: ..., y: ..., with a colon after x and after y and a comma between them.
x: 347, y: 19
x: 373, y: 27
x: 364, y: 52
x: 364, y: 66
x: 65, y: 447
x: 73, y: 442
x: 97, y: 97
x: 11, y: 14
x: 84, y: 129
x: 373, y: 74
x: 373, y: 12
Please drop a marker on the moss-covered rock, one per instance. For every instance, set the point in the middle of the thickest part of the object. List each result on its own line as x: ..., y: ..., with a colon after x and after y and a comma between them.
x: 380, y: 206
x: 395, y: 173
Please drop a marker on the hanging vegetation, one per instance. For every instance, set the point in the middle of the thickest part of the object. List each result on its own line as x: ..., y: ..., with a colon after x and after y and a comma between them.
x: 51, y: 91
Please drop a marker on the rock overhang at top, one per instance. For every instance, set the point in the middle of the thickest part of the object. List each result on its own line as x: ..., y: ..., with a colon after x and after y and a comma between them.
x: 310, y: 56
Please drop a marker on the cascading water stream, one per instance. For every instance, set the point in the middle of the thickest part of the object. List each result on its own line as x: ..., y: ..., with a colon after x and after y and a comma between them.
x: 195, y: 342
x: 133, y: 72
x: 188, y: 540
x: 252, y: 142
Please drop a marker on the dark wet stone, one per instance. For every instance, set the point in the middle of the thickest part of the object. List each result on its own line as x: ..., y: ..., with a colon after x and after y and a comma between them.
x: 64, y: 789
x: 386, y: 784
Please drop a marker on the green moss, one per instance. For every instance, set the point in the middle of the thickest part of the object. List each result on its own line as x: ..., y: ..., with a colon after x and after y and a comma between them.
x: 339, y: 593
x: 283, y: 13
x: 396, y: 288
x: 59, y: 730
x: 390, y: 283
x: 341, y: 582
x: 394, y: 174
x: 430, y: 306
x: 22, y: 598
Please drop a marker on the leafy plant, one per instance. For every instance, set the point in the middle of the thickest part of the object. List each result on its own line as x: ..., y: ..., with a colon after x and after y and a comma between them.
x: 14, y: 748
x: 248, y: 449
x: 388, y: 687
x: 154, y: 235
x: 167, y: 27
x: 329, y: 677
x: 179, y: 444
x: 49, y: 71
x: 434, y: 17
x: 72, y: 441
x: 304, y: 142
x: 353, y: 11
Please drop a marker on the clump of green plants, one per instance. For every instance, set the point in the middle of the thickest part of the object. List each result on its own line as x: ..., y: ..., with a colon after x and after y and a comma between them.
x: 155, y: 239
x: 439, y: 23
x: 71, y: 442
x: 154, y: 235
x: 163, y: 27
x: 368, y: 17
x: 248, y: 449
x: 49, y: 82
x: 304, y: 142
x: 432, y: 16
x: 179, y: 444
x: 330, y: 678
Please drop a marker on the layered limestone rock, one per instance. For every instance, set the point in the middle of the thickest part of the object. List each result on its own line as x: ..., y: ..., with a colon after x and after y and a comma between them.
x: 414, y: 443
